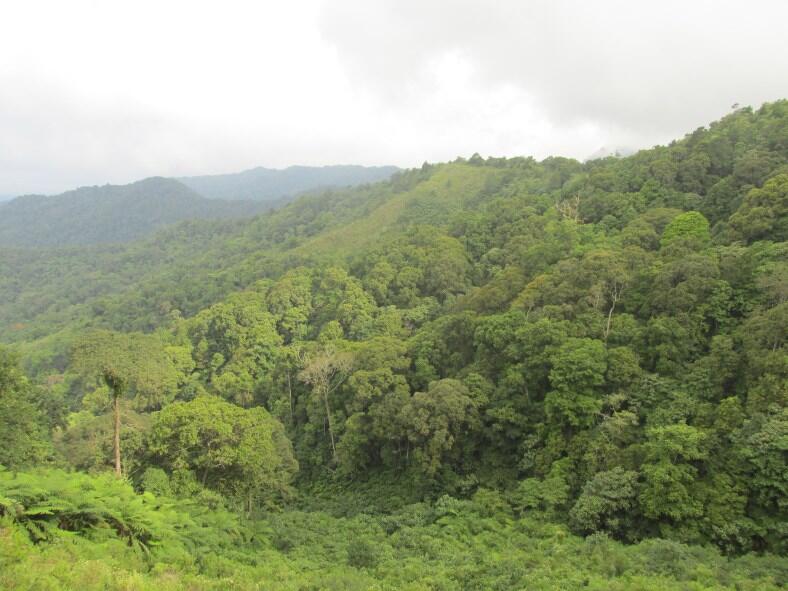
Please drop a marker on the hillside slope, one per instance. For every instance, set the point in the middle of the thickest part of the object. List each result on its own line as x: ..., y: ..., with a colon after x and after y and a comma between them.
x: 111, y: 213
x: 267, y: 184
x: 448, y: 363
x: 191, y: 265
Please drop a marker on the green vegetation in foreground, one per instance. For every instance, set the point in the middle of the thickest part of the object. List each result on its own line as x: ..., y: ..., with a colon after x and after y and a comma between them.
x: 487, y: 374
x: 71, y: 531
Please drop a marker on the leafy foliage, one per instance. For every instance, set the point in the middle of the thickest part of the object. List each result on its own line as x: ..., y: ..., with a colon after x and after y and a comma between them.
x: 23, y: 425
x: 241, y: 453
x: 524, y: 346
x: 66, y: 531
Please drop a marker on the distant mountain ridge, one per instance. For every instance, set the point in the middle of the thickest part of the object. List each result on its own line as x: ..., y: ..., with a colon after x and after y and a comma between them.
x: 268, y: 184
x: 122, y: 213
x: 109, y: 213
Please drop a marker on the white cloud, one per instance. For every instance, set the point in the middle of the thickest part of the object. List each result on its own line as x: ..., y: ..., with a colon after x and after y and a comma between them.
x: 97, y: 91
x: 654, y: 66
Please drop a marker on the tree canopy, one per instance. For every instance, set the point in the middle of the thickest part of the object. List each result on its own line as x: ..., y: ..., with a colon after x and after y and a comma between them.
x: 597, y: 347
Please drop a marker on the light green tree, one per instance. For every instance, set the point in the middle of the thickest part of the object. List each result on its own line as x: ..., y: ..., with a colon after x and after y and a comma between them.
x: 127, y: 363
x: 243, y: 453
x: 23, y: 435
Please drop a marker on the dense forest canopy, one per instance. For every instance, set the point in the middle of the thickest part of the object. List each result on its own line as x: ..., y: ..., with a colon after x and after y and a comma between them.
x: 488, y: 370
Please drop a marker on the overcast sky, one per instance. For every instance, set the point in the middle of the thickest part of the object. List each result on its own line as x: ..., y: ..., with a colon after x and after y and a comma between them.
x: 108, y: 91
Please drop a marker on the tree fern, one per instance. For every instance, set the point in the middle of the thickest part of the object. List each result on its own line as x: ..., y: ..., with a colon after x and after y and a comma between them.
x: 50, y: 502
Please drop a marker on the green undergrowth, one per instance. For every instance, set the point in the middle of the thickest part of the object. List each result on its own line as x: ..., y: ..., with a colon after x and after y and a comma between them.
x: 74, y: 531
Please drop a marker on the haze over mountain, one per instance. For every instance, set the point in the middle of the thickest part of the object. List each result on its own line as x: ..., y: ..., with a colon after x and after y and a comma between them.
x: 120, y: 213
x: 268, y: 184
x: 364, y: 82
x: 111, y: 213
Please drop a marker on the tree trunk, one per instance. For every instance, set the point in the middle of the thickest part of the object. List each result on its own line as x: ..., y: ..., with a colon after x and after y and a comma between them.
x: 609, y: 320
x: 330, y: 426
x: 116, y: 409
x: 616, y: 293
x: 290, y: 395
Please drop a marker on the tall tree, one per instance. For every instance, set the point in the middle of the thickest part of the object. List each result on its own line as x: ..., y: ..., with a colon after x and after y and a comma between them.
x: 126, y: 363
x: 325, y: 373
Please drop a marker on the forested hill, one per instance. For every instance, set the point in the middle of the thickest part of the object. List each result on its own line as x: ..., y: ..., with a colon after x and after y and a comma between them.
x: 468, y: 360
x: 267, y: 184
x: 109, y: 213
x: 189, y: 266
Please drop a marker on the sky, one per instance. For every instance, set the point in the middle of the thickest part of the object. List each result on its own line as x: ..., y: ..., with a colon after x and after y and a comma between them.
x: 104, y: 91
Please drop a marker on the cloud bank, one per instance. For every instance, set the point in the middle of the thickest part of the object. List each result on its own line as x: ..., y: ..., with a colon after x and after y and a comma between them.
x: 94, y: 92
